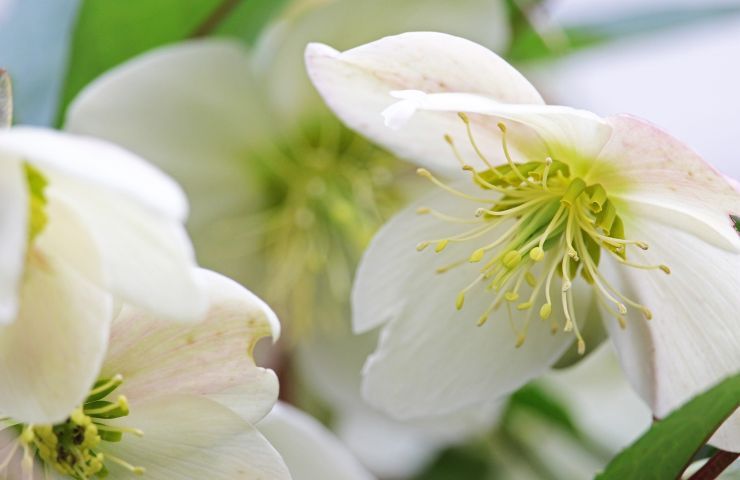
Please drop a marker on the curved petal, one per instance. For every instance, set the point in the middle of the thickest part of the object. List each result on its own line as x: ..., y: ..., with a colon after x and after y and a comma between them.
x: 693, y: 340
x: 186, y: 437
x: 661, y: 176
x: 432, y: 359
x: 98, y: 163
x: 212, y: 357
x: 192, y: 109
x: 147, y: 258
x: 573, y: 136
x: 52, y: 353
x: 308, y: 448
x: 356, y: 85
x: 348, y: 23
x: 14, y: 228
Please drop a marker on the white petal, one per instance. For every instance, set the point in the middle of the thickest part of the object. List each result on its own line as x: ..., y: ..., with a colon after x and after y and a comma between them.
x: 390, y: 262
x: 212, y: 357
x: 356, y: 85
x: 52, y: 353
x: 349, y: 23
x: 98, y: 163
x: 432, y: 359
x: 693, y: 341
x: 331, y: 365
x: 186, y: 437
x: 192, y: 109
x: 662, y: 177
x: 14, y: 228
x: 308, y: 448
x: 147, y: 258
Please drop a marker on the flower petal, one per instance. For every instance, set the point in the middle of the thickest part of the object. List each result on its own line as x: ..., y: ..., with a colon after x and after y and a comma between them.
x: 349, y: 23
x: 212, y: 357
x: 52, y: 353
x: 692, y: 341
x: 567, y: 134
x: 192, y: 109
x: 98, y: 163
x: 662, y: 177
x: 356, y: 85
x: 147, y: 258
x: 432, y: 359
x: 186, y: 437
x: 14, y: 228
x: 308, y: 448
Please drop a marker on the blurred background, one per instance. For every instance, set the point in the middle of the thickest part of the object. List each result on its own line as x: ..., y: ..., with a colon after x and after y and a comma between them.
x: 295, y: 239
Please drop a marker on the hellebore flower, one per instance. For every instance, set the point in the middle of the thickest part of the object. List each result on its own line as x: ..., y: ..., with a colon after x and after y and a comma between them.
x: 83, y: 223
x: 284, y: 197
x: 555, y: 221
x: 172, y: 401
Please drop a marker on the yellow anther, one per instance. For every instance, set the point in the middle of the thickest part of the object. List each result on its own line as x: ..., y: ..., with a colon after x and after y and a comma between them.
x: 622, y: 323
x: 537, y: 254
x: 524, y: 306
x: 545, y: 311
x: 530, y: 279
x: 520, y: 340
x: 642, y: 245
x: 647, y: 313
x: 622, y: 308
x: 665, y: 268
x: 460, y: 300
x: 423, y: 210
x: 482, y: 320
x: 568, y: 325
x: 554, y: 327
x: 477, y: 255
x: 501, y: 126
x: 441, y: 245
x: 581, y: 346
x: 27, y: 435
x: 423, y: 172
x: 421, y: 246
x: 448, y: 138
x: 464, y: 117
x: 511, y: 259
x: 511, y: 296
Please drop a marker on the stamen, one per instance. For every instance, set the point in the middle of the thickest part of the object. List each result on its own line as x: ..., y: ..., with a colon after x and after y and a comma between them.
x: 507, y: 154
x: 480, y: 155
x: 423, y: 172
x: 126, y: 465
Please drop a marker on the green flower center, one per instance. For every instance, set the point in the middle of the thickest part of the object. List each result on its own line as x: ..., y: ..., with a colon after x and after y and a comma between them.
x: 74, y: 447
x: 324, y: 191
x: 548, y: 226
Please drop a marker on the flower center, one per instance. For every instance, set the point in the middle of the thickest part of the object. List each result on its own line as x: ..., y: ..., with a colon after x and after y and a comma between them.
x: 540, y: 226
x: 73, y: 447
x: 324, y: 190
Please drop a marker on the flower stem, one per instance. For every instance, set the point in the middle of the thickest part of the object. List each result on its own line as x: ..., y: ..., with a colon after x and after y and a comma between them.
x: 213, y: 20
x: 715, y: 465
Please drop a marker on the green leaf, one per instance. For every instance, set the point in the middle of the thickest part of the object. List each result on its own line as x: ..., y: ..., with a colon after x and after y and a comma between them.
x: 533, y: 398
x: 666, y: 449
x: 109, y: 32
x: 6, y: 99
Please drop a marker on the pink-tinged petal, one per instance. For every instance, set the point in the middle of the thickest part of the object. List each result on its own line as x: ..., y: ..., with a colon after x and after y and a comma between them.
x: 693, y: 339
x: 53, y: 352
x: 659, y: 176
x: 356, y: 85
x: 96, y: 162
x: 14, y: 227
x: 212, y: 357
x: 308, y: 448
x: 187, y: 437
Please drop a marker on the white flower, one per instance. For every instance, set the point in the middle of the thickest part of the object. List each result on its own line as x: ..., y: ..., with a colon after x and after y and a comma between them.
x: 563, y: 216
x: 284, y: 197
x: 84, y: 224
x: 172, y: 400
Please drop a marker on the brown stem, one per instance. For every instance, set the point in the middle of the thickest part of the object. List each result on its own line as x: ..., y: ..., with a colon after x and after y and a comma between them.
x: 215, y: 18
x: 715, y: 465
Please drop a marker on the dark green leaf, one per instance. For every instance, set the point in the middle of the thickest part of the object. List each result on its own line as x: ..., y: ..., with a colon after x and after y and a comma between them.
x: 666, y: 449
x: 533, y: 398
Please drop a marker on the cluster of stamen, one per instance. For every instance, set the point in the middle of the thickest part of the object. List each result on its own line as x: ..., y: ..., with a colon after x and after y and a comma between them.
x: 554, y: 225
x: 73, y: 447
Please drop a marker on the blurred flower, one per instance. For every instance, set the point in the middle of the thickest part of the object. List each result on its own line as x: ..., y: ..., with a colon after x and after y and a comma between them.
x: 173, y: 401
x: 284, y: 197
x: 591, y: 195
x: 84, y: 223
x: 308, y: 448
